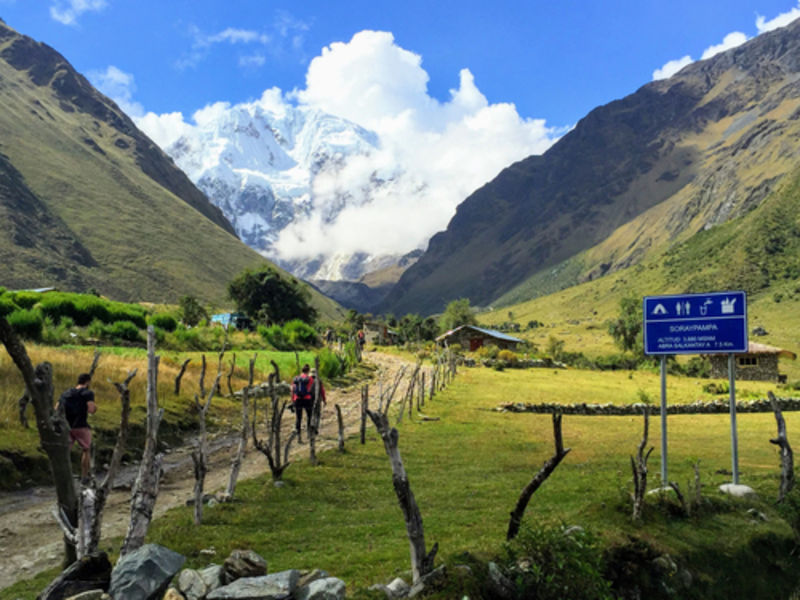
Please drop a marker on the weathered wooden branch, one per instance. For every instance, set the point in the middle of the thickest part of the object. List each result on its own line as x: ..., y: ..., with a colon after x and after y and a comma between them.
x: 387, y: 395
x: 316, y: 410
x: 52, y: 426
x: 364, y: 407
x: 538, y: 479
x: 271, y: 448
x: 787, y: 456
x: 685, y: 507
x: 421, y: 561
x: 230, y: 374
x: 236, y: 464
x: 200, y: 453
x: 639, y: 468
x: 95, y: 361
x: 203, y: 376
x: 341, y: 428
x: 23, y: 402
x: 93, y: 498
x: 180, y: 376
x: 145, y: 488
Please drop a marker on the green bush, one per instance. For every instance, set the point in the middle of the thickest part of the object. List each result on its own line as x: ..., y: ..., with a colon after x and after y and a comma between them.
x: 549, y: 562
x: 85, y: 308
x: 27, y: 299
x: 27, y: 323
x: 164, y: 321
x: 7, y: 305
x: 274, y: 336
x: 717, y: 388
x: 299, y: 334
x: 57, y: 334
x: 124, y: 330
x: 331, y: 364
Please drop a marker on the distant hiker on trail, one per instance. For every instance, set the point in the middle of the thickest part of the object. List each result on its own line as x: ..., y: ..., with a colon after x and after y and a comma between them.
x: 78, y: 404
x: 303, y: 397
x: 362, y: 339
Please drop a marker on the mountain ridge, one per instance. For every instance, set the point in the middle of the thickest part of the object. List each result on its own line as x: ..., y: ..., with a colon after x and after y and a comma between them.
x: 672, y: 138
x: 92, y: 202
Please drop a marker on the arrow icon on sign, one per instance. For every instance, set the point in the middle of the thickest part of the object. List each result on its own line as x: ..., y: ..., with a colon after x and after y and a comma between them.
x: 659, y: 310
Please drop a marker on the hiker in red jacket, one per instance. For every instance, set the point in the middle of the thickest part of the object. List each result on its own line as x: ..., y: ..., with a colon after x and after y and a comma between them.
x: 303, y: 397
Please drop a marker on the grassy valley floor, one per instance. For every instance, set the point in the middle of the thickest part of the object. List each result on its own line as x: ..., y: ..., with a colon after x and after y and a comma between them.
x: 468, y: 468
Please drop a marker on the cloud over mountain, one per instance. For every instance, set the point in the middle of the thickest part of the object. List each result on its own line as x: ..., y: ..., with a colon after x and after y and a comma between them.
x: 430, y: 154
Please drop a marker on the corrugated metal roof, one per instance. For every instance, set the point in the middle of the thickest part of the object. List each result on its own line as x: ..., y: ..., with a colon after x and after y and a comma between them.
x: 490, y: 332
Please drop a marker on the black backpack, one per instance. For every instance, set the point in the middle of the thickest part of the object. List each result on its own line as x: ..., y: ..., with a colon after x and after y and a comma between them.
x: 70, y: 400
x: 302, y: 387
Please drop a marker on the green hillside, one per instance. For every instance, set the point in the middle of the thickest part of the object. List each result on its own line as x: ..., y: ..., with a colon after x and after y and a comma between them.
x: 91, y: 202
x: 632, y: 179
x: 758, y: 252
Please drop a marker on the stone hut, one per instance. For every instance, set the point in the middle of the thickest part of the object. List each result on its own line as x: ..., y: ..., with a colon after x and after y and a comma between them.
x: 759, y: 363
x: 471, y: 338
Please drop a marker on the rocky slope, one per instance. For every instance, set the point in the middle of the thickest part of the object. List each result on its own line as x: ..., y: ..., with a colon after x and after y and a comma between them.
x: 260, y: 162
x: 90, y: 201
x: 634, y: 176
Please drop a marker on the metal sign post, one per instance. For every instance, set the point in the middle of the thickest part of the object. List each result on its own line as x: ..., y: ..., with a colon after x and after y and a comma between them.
x: 664, y: 480
x: 734, y: 436
x: 714, y: 323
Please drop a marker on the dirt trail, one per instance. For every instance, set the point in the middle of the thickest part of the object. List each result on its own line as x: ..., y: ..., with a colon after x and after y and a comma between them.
x: 30, y: 540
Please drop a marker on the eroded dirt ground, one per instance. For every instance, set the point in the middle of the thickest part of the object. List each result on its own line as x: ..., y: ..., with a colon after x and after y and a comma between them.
x: 31, y: 541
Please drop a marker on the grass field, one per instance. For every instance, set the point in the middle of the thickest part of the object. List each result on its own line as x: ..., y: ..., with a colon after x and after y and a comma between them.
x: 468, y: 468
x: 19, y: 445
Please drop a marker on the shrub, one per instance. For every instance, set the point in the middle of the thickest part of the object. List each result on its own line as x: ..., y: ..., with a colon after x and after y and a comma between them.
x: 188, y: 339
x: 274, y: 336
x: 124, y: 330
x: 27, y: 323
x: 7, y: 305
x: 553, y: 562
x: 717, y: 388
x: 299, y: 334
x: 698, y: 366
x: 56, y: 334
x: 164, y: 321
x: 331, y: 364
x: 27, y: 299
x: 507, y: 356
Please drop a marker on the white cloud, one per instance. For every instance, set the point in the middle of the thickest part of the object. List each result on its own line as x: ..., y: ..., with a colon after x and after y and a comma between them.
x: 431, y: 154
x: 119, y: 86
x: 67, y: 12
x: 781, y: 20
x: 733, y: 39
x: 672, y: 67
x: 252, y: 60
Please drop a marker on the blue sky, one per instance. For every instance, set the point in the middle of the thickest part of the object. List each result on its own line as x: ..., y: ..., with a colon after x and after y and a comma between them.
x: 552, y: 60
x: 452, y: 91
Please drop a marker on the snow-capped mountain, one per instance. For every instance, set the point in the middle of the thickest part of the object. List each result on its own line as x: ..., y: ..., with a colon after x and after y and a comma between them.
x: 259, y: 163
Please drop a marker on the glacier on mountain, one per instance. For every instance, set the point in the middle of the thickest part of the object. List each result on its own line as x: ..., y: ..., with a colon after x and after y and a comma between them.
x: 259, y: 162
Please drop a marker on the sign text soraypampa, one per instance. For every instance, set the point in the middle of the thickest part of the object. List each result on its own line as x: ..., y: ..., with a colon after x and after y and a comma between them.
x: 714, y: 323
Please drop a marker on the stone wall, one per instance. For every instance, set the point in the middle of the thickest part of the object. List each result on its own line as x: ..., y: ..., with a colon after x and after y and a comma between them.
x: 699, y: 407
x: 765, y: 369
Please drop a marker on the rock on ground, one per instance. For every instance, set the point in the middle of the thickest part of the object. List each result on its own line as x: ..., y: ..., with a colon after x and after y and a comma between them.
x: 144, y: 574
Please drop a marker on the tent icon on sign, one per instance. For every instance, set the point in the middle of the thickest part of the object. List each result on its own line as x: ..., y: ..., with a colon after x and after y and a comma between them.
x: 659, y: 310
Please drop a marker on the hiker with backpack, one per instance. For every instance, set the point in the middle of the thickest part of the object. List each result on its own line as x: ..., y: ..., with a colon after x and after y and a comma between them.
x: 77, y: 404
x: 303, y: 397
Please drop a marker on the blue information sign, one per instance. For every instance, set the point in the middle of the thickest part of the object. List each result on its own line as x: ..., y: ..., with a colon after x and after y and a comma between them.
x: 714, y: 323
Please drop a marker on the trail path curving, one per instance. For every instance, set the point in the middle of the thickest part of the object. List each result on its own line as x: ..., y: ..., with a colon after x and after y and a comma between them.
x: 30, y: 540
